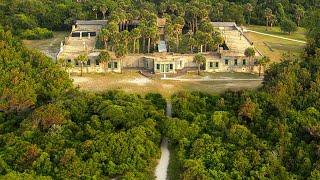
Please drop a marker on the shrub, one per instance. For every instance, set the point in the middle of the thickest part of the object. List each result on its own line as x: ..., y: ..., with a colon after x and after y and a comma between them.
x: 37, y: 33
x: 288, y: 26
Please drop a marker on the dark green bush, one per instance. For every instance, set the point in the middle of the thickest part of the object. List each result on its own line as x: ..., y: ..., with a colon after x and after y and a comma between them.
x: 37, y: 33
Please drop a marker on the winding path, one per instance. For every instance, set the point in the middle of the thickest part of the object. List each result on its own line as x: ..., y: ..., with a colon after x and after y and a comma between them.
x: 289, y: 39
x: 162, y: 167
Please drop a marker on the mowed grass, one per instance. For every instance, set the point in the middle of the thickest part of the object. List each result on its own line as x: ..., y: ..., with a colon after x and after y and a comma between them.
x: 274, y: 47
x: 133, y: 82
x: 298, y: 35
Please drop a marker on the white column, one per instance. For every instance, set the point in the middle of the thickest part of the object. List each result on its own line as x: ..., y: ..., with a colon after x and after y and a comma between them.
x: 89, y: 35
x: 80, y: 34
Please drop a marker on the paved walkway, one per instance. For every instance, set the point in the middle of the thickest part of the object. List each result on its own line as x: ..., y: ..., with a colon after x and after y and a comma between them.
x: 162, y: 167
x: 289, y: 39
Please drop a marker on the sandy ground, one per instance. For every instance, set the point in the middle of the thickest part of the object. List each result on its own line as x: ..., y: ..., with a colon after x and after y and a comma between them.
x: 162, y: 167
x: 133, y: 82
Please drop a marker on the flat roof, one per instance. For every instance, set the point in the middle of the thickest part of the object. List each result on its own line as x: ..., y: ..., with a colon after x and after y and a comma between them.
x: 223, y: 24
x: 91, y: 22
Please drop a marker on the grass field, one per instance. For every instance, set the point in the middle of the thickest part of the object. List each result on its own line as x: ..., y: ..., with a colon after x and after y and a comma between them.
x: 133, y: 82
x: 274, y: 47
x: 298, y: 35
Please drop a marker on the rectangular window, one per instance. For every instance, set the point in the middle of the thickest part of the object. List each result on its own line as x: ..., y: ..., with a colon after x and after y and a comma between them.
x: 109, y: 65
x: 171, y: 66
x: 217, y: 64
x: 97, y: 62
x: 211, y: 64
x: 226, y: 61
x: 236, y: 62
x: 115, y: 65
x: 88, y: 62
x: 244, y: 62
x: 77, y: 63
x: 158, y: 66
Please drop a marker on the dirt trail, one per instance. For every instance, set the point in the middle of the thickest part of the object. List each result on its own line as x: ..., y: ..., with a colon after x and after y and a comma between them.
x: 162, y: 167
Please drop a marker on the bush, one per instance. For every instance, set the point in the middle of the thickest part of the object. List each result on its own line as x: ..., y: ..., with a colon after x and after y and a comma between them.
x: 288, y: 26
x: 37, y: 33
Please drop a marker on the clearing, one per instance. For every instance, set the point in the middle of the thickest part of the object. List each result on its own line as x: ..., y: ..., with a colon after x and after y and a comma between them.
x: 133, y: 82
x: 49, y: 47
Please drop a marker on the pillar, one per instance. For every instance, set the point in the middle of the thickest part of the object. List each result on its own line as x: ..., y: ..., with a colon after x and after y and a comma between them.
x: 89, y: 35
x: 80, y: 34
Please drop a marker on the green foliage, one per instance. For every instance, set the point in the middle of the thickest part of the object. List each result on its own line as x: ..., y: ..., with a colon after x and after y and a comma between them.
x: 288, y: 26
x: 267, y: 134
x: 37, y: 33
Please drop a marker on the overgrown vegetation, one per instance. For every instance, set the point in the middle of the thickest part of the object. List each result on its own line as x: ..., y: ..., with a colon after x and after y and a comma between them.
x: 51, y: 130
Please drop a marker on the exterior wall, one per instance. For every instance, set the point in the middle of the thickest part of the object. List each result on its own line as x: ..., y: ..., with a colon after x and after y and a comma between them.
x: 94, y: 68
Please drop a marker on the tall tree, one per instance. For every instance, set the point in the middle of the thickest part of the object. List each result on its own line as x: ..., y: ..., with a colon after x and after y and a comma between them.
x: 121, y: 52
x: 268, y: 15
x: 263, y: 63
x: 82, y: 58
x: 135, y: 36
x: 250, y: 53
x: 248, y: 8
x: 199, y: 59
x: 103, y: 58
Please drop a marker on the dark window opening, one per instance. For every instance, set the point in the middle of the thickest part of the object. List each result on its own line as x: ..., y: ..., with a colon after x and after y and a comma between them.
x: 226, y: 61
x: 236, y: 62
x: 210, y: 64
x: 217, y: 64
x: 244, y: 62
x: 171, y: 66
x: 88, y: 62
x: 109, y: 65
x: 115, y: 65
x: 77, y: 63
x: 97, y: 62
x: 158, y: 66
x: 69, y: 60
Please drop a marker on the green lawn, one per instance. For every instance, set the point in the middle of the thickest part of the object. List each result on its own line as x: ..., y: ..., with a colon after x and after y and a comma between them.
x: 298, y: 35
x: 274, y: 47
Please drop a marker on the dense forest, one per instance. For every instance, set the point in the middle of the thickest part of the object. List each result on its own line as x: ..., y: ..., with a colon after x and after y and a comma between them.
x: 187, y: 24
x: 48, y: 129
x: 51, y: 130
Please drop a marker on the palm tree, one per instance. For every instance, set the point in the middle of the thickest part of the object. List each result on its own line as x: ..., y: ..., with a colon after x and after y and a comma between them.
x: 82, y: 58
x: 268, y: 15
x: 201, y: 39
x: 263, y: 62
x: 250, y: 53
x: 125, y: 38
x: 299, y: 13
x: 199, y: 59
x: 94, y: 9
x: 248, y: 9
x: 104, y: 57
x: 105, y: 37
x: 219, y: 9
x: 120, y: 53
x: 135, y: 35
x: 103, y: 10
x: 177, y: 30
x: 150, y: 33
